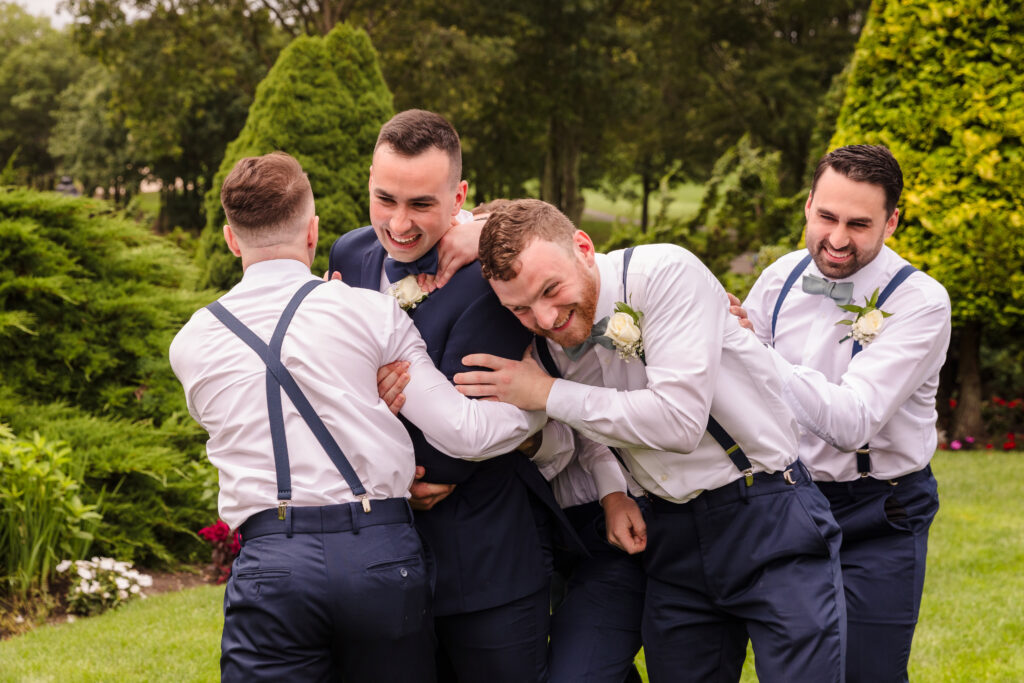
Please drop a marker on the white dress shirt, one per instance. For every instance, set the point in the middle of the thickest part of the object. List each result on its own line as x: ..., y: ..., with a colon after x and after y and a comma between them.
x: 337, y: 340
x: 884, y: 396
x: 699, y: 361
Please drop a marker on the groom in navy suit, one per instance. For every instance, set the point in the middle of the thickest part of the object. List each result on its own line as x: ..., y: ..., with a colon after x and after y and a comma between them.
x: 489, y: 525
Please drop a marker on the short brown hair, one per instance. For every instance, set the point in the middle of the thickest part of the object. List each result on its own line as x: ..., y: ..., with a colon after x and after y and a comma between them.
x: 511, y: 228
x: 264, y: 196
x: 872, y: 164
x: 491, y: 206
x: 414, y: 131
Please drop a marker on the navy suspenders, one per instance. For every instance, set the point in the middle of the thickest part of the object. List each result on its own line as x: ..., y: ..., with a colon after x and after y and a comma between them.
x: 279, y: 378
x: 864, y: 452
x: 728, y: 444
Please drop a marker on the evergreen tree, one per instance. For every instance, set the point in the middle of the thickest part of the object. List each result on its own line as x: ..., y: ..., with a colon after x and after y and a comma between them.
x: 941, y: 83
x: 323, y: 102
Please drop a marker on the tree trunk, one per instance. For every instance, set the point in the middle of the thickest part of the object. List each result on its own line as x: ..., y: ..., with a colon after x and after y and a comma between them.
x: 560, y: 185
x: 647, y: 186
x: 967, y: 416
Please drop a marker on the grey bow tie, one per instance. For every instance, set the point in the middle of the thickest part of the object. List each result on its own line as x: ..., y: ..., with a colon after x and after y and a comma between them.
x: 596, y: 337
x: 840, y: 292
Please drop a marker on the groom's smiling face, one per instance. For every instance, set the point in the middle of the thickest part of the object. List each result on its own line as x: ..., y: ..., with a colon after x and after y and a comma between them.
x: 412, y: 200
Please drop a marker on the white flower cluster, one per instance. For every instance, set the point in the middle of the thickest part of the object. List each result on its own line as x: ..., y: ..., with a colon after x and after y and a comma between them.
x: 866, y: 327
x: 624, y: 332
x: 408, y: 292
x: 102, y: 583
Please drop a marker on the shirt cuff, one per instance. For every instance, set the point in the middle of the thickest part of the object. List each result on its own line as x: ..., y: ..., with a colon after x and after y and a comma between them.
x: 556, y: 446
x: 608, y: 478
x: 563, y: 398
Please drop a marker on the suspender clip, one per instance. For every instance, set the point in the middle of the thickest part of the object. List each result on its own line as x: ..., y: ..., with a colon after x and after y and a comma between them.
x: 366, y: 503
x: 748, y: 476
x: 788, y: 476
x: 282, y: 508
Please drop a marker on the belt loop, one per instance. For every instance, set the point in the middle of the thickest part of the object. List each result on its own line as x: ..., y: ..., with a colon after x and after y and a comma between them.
x: 289, y: 522
x: 408, y: 509
x: 353, y: 511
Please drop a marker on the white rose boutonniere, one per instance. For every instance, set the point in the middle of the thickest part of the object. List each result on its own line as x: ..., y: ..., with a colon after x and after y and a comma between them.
x: 868, y: 323
x: 623, y: 330
x: 408, y: 292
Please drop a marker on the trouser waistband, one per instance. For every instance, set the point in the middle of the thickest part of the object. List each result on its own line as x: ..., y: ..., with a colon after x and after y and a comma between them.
x: 764, y: 483
x: 327, y: 518
x: 868, y: 485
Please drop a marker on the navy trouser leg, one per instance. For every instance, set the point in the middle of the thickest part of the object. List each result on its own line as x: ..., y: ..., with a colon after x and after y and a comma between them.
x: 329, y: 606
x: 507, y: 643
x: 761, y: 561
x: 885, y: 541
x: 595, y: 631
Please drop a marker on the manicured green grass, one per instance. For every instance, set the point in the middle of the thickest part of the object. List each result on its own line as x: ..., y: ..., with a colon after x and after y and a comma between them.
x: 168, y: 637
x: 683, y: 201
x: 972, y: 617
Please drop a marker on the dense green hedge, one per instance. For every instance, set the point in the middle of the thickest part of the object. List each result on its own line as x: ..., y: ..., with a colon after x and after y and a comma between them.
x: 941, y: 83
x: 323, y: 102
x: 89, y: 302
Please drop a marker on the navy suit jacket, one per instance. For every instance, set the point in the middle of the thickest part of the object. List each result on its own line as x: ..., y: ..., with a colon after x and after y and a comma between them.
x: 491, y: 537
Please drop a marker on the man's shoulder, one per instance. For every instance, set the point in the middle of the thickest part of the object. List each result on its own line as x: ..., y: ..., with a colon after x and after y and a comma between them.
x: 359, y: 240
x: 468, y: 284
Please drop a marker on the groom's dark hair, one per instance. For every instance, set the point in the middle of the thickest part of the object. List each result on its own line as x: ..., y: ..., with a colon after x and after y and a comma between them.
x: 414, y: 131
x: 872, y: 164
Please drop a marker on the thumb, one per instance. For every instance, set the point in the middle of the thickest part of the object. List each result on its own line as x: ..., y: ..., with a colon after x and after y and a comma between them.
x: 420, y: 472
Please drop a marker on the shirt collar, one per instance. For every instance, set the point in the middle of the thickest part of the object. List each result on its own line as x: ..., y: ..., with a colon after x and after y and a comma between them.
x: 275, y: 269
x: 867, y: 278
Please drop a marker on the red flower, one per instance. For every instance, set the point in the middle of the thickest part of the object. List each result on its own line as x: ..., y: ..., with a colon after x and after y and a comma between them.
x: 998, y: 401
x: 952, y: 403
x: 989, y: 446
x: 1014, y: 403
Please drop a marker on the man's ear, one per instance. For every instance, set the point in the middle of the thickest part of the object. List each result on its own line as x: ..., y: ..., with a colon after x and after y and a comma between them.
x: 461, y: 192
x: 584, y: 246
x: 890, y: 225
x: 229, y: 237
x: 313, y: 232
x: 807, y: 206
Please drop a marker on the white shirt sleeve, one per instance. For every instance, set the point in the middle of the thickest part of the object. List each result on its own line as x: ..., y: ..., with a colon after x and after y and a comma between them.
x: 602, y: 466
x: 879, y: 379
x: 461, y: 427
x: 684, y: 314
x: 556, y: 449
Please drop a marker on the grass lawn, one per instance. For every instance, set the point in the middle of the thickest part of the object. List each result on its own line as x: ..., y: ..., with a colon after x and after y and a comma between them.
x: 972, y: 618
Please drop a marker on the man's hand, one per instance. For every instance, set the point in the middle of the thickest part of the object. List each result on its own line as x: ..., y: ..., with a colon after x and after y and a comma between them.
x: 423, y: 495
x: 624, y: 522
x: 427, y: 282
x: 459, y: 246
x: 737, y: 310
x: 522, y: 383
x: 391, y: 381
x: 328, y: 276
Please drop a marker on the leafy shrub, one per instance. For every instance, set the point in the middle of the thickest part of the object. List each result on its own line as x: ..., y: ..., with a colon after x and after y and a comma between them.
x: 323, y: 102
x: 226, y: 546
x: 43, y: 515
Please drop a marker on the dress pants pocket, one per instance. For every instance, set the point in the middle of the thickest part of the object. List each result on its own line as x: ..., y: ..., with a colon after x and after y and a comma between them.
x: 395, y: 593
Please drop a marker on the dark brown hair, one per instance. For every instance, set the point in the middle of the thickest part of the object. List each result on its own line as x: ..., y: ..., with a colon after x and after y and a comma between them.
x: 867, y: 164
x: 414, y: 131
x: 263, y: 196
x: 512, y: 227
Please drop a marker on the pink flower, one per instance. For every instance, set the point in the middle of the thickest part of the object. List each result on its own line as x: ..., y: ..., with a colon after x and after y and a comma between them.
x: 956, y: 445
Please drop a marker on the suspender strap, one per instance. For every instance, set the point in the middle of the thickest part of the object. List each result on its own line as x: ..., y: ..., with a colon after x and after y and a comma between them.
x: 864, y: 452
x: 732, y: 449
x: 279, y: 378
x: 790, y: 281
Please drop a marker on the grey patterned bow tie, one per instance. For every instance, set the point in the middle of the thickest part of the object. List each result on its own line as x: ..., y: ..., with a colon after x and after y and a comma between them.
x: 596, y: 337
x: 840, y: 292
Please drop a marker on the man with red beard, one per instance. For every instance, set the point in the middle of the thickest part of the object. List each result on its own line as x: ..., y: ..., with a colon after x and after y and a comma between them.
x: 739, y: 542
x: 864, y: 394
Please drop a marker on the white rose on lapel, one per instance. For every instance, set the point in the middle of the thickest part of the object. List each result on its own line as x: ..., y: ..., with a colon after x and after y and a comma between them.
x: 622, y: 329
x: 408, y: 292
x: 867, y: 326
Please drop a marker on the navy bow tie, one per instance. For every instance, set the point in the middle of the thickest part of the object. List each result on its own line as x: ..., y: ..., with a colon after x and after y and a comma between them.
x: 596, y: 337
x: 396, y: 270
x: 840, y: 292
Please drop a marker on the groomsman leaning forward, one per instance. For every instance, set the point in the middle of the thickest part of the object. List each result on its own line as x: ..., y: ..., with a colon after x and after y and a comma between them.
x: 331, y: 582
x: 864, y: 394
x: 740, y: 543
